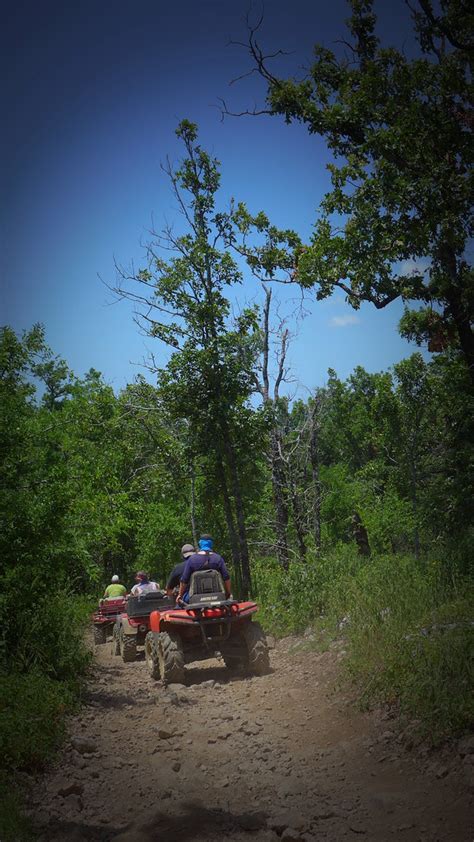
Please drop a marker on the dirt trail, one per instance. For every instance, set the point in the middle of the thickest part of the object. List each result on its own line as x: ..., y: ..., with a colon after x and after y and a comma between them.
x: 280, y: 757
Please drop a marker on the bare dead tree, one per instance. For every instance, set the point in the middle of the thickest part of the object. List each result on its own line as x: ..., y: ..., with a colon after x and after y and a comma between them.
x: 270, y: 400
x: 314, y: 456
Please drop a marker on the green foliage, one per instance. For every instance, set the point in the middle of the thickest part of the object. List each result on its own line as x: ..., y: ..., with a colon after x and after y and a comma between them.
x: 32, y: 719
x: 14, y: 825
x: 50, y: 635
x: 411, y: 641
x: 408, y: 628
x: 32, y: 708
x: 160, y: 537
x: 398, y: 219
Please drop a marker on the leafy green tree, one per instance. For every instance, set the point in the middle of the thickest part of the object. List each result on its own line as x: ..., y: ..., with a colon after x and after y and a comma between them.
x: 398, y: 219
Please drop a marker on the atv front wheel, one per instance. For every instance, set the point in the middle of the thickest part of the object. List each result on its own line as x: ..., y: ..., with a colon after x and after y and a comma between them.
x: 170, y: 657
x: 257, y: 647
x: 100, y: 635
x: 115, y: 642
x: 152, y: 654
x: 235, y: 657
x: 128, y: 647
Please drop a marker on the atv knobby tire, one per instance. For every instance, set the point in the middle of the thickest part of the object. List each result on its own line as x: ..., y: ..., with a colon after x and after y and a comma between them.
x: 170, y: 657
x: 115, y: 642
x: 100, y: 635
x: 152, y: 656
x: 128, y: 646
x: 257, y: 648
x: 235, y: 657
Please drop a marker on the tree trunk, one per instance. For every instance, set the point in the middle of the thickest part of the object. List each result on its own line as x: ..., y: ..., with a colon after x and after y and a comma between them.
x: 281, y: 508
x: 297, y: 514
x: 239, y: 510
x: 459, y: 310
x: 414, y: 505
x: 229, y: 517
x: 314, y: 459
x: 360, y: 534
x: 193, y: 505
x: 466, y: 336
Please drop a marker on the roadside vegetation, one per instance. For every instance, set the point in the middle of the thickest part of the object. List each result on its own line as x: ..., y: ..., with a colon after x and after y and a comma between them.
x: 406, y: 626
x: 350, y: 511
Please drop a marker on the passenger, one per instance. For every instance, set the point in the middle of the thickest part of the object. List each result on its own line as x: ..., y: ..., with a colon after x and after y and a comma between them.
x: 115, y: 589
x: 203, y: 558
x: 144, y: 584
x: 187, y: 550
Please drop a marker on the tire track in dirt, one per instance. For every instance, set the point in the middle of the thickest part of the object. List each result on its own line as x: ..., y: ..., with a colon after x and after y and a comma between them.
x: 280, y: 757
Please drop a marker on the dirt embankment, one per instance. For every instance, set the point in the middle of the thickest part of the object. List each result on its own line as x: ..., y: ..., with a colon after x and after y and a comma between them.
x: 279, y: 757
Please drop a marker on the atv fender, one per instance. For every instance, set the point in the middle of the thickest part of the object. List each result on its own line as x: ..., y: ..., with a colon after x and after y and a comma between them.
x: 127, y: 626
x: 155, y: 619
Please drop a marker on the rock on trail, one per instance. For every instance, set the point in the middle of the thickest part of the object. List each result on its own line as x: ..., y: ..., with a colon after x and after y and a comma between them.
x: 278, y: 757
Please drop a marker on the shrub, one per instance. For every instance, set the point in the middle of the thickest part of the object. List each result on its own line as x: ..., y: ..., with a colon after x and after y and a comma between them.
x: 32, y: 708
x: 47, y: 635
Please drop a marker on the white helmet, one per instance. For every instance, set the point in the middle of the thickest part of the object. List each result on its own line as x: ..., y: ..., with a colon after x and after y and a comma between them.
x: 115, y: 578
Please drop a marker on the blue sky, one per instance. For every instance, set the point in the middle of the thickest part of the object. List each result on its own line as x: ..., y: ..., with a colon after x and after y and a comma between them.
x: 92, y: 94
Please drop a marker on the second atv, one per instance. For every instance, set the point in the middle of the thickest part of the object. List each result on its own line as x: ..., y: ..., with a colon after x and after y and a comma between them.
x: 133, y: 623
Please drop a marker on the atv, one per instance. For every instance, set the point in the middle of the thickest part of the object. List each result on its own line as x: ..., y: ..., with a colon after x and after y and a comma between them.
x: 209, y: 625
x: 133, y: 623
x: 105, y: 616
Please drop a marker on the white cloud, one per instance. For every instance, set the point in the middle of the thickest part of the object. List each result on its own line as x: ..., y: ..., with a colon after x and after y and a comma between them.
x: 343, y: 321
x: 413, y: 267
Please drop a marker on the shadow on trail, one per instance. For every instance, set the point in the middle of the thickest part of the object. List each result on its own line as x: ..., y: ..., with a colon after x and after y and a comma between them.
x: 193, y: 821
x: 220, y: 674
x: 61, y: 830
x: 106, y: 699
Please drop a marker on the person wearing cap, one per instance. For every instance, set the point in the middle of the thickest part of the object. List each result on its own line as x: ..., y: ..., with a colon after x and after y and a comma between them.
x: 204, y: 557
x: 115, y: 589
x: 144, y: 584
x: 187, y: 550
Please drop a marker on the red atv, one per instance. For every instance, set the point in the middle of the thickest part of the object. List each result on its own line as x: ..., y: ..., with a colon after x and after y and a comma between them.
x: 133, y: 622
x: 208, y: 625
x: 105, y: 616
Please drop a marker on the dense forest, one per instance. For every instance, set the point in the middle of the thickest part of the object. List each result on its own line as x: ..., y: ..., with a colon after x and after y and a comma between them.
x: 350, y: 509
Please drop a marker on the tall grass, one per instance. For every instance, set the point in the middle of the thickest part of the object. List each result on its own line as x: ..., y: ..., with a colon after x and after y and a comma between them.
x: 409, y: 629
x: 44, y: 664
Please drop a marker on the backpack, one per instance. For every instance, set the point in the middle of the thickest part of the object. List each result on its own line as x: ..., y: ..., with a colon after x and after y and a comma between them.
x: 206, y: 585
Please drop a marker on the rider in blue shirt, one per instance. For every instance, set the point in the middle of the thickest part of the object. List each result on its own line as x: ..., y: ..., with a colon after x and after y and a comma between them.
x: 203, y: 558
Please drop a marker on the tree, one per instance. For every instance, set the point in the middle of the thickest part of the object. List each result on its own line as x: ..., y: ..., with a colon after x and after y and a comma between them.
x: 399, y: 216
x: 271, y: 402
x: 182, y: 301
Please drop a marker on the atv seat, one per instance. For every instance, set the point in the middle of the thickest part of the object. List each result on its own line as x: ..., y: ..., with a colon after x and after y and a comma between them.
x: 206, y: 587
x: 143, y: 604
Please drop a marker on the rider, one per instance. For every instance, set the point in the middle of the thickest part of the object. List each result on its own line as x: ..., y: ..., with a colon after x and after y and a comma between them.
x: 144, y: 584
x: 187, y: 550
x: 203, y: 558
x: 115, y: 589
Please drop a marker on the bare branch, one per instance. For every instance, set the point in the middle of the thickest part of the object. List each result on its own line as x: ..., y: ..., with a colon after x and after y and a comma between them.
x: 281, y: 363
x: 266, y: 317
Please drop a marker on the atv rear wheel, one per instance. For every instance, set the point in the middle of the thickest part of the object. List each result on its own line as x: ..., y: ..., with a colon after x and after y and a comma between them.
x: 152, y: 655
x: 170, y: 657
x: 257, y: 647
x: 100, y: 635
x: 128, y: 646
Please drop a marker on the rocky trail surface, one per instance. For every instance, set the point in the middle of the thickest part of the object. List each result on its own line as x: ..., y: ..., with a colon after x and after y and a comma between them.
x: 284, y: 756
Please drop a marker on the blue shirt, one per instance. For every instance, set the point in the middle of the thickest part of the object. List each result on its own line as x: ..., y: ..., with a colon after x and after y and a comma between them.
x: 198, y: 561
